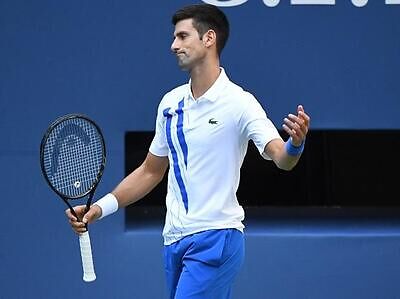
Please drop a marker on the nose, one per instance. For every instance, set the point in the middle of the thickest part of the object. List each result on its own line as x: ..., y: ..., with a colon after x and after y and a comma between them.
x: 174, y: 45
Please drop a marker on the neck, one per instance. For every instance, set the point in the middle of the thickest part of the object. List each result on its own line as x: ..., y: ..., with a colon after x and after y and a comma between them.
x: 203, y: 77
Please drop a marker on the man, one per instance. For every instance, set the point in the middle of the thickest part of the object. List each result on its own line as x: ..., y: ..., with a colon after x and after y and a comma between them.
x: 202, y: 133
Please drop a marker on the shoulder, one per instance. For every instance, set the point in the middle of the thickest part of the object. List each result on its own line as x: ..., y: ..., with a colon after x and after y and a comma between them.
x: 244, y: 103
x: 242, y: 98
x: 172, y: 98
x: 175, y: 95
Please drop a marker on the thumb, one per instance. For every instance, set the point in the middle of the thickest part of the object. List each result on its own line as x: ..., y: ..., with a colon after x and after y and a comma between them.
x: 86, y: 218
x: 90, y: 215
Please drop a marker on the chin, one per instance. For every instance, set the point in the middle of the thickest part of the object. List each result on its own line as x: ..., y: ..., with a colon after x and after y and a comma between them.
x: 184, y: 66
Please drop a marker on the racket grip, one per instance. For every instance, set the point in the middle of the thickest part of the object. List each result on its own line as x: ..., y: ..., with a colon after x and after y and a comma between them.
x: 87, y: 259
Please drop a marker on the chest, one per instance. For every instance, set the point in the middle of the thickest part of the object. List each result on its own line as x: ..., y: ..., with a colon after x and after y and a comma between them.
x: 203, y: 125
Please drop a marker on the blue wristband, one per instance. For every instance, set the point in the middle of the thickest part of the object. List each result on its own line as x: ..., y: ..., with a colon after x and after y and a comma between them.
x: 293, y: 150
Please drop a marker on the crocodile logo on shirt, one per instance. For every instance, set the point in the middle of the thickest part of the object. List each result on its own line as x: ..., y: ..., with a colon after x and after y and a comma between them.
x: 213, y: 121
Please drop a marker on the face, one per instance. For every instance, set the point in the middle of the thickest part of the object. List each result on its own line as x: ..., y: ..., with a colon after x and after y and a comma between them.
x: 187, y: 45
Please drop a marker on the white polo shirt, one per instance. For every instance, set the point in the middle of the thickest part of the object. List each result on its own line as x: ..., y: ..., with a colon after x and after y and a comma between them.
x: 206, y: 141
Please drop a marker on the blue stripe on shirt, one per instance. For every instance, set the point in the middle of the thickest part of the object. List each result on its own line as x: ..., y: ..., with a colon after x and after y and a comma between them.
x: 179, y: 128
x: 177, y: 170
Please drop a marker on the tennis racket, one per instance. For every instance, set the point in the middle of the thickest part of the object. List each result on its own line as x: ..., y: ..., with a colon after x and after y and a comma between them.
x: 72, y: 158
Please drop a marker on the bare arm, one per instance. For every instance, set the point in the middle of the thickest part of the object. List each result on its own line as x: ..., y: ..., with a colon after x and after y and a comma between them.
x: 141, y: 181
x: 297, y: 127
x: 132, y: 188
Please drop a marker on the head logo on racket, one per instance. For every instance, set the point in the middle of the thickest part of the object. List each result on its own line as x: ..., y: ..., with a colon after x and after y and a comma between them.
x: 68, y: 136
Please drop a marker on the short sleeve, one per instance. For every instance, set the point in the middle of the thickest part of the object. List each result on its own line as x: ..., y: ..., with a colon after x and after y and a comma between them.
x: 159, y: 146
x: 256, y: 126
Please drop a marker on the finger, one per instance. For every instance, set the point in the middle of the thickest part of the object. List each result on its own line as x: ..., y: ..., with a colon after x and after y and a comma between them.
x: 296, y: 119
x: 87, y: 218
x: 302, y: 123
x: 70, y: 216
x: 78, y: 226
x: 80, y: 230
x: 80, y: 211
x: 292, y: 122
x: 295, y: 131
x: 93, y: 213
x: 305, y: 117
x: 302, y: 114
x: 289, y: 131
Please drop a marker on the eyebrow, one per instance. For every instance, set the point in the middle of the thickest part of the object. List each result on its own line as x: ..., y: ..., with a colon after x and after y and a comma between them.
x: 180, y: 33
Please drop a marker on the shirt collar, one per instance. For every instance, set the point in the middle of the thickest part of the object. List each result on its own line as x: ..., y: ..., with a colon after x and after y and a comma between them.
x: 214, y: 91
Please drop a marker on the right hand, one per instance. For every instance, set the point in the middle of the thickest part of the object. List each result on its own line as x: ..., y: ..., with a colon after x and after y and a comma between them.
x: 79, y: 226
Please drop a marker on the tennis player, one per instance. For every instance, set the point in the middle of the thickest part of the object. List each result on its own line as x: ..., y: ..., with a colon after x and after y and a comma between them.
x: 202, y: 132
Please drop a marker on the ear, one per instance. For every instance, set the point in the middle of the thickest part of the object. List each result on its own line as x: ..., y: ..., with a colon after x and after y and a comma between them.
x: 210, y: 38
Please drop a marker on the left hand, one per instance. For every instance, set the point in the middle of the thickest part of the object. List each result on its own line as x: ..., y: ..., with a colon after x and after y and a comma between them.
x: 297, y: 126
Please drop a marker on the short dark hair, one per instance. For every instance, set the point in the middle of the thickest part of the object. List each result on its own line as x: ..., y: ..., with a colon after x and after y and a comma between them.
x: 206, y: 17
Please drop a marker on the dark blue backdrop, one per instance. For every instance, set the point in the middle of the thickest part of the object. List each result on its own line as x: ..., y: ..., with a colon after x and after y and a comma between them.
x: 111, y: 60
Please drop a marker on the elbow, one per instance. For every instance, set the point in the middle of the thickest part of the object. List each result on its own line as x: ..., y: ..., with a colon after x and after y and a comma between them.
x: 286, y: 167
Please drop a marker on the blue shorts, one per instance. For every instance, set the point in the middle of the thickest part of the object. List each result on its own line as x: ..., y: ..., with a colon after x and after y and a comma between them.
x: 204, y: 265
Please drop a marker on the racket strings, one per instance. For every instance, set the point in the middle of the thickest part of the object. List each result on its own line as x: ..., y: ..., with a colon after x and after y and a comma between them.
x: 73, y: 156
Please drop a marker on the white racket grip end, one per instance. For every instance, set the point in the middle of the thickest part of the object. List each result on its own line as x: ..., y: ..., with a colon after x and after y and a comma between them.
x: 87, y: 259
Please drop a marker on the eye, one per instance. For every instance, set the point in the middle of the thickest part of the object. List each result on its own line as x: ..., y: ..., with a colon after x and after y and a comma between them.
x: 182, y: 35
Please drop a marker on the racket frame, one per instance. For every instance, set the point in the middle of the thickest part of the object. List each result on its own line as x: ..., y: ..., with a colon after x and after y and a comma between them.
x: 84, y: 238
x: 43, y: 143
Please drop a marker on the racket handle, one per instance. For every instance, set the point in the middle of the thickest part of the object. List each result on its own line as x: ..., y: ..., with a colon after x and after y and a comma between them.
x: 87, y: 259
